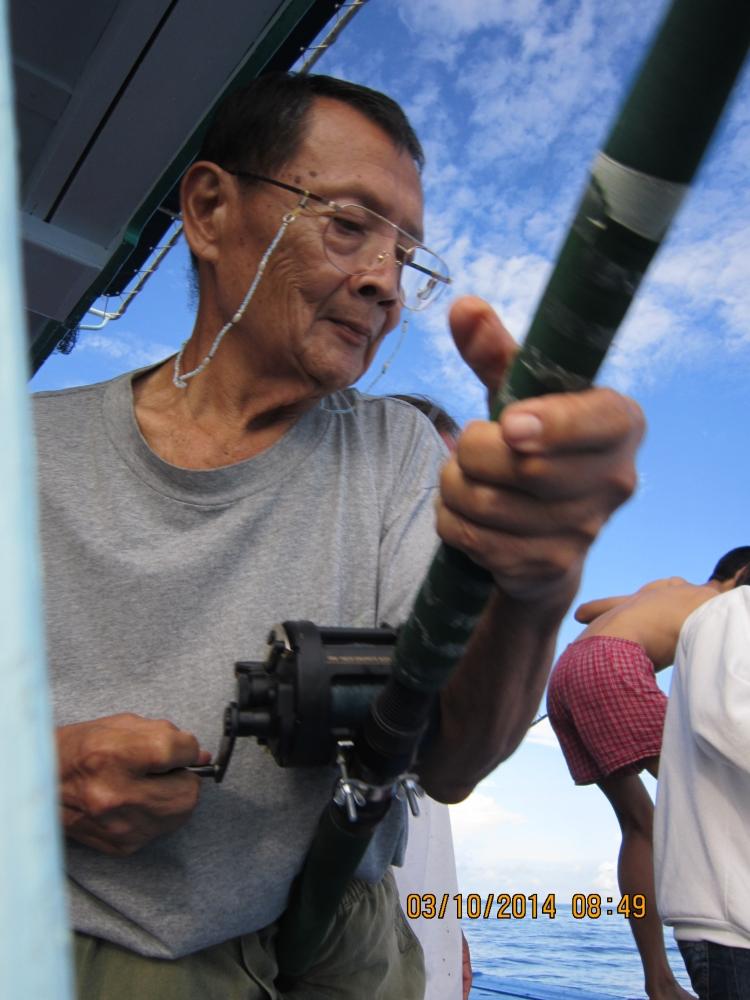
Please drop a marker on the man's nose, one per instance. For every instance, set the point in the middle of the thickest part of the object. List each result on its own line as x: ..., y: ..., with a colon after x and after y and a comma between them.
x: 382, y: 279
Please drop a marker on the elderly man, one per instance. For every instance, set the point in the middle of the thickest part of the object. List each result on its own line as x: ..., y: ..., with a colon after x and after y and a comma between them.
x: 188, y: 506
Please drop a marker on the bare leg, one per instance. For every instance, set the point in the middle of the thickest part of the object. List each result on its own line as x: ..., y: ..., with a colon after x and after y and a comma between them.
x: 635, y: 874
x: 466, y: 971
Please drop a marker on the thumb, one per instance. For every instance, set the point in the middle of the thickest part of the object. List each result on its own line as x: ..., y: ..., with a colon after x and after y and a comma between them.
x: 482, y: 340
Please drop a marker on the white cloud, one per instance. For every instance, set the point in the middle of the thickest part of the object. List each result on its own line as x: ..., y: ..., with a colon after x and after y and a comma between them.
x: 440, y: 18
x: 131, y: 350
x: 512, y: 286
x: 543, y: 735
x: 695, y: 306
x: 497, y: 874
x: 648, y: 337
x: 478, y: 815
x: 713, y: 273
x: 605, y: 880
x: 542, y: 227
x: 546, y: 77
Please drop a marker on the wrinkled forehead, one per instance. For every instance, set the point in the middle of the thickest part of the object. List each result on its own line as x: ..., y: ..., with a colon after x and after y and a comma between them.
x: 347, y: 157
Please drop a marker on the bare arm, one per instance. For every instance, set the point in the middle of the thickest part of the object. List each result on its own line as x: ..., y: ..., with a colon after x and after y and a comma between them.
x: 523, y: 498
x: 496, y: 690
x: 588, y: 611
x: 123, y: 783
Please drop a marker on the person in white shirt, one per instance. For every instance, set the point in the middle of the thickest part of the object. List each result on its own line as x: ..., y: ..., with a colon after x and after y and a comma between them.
x: 703, y: 798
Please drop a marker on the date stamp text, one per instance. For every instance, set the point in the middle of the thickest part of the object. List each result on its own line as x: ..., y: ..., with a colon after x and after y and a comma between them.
x: 519, y: 906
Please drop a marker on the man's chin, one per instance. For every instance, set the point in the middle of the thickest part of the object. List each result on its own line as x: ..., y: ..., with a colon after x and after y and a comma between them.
x: 333, y: 377
x: 338, y: 384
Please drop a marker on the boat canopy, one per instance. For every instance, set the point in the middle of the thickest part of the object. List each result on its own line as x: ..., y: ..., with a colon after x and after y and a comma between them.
x: 111, y: 100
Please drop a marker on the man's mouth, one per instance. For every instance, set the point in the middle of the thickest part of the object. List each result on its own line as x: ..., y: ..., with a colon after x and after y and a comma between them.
x: 356, y: 330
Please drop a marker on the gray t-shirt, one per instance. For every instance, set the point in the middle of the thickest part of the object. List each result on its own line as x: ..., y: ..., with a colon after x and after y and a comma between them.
x: 159, y: 578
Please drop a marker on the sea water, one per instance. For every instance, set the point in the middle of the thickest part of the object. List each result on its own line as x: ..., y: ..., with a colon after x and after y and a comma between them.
x: 595, y: 955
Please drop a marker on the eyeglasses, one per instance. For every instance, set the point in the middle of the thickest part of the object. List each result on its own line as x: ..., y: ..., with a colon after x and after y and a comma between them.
x: 357, y: 240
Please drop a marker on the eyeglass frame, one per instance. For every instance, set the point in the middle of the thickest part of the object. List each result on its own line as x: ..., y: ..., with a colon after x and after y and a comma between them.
x: 445, y: 279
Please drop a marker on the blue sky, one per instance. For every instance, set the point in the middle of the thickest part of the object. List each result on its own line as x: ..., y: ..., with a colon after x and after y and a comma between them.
x: 511, y: 99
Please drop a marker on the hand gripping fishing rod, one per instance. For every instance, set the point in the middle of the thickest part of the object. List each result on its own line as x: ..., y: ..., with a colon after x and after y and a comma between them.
x: 635, y: 186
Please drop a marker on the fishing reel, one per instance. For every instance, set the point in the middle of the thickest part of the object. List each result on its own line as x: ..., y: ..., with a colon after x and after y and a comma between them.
x: 309, y: 696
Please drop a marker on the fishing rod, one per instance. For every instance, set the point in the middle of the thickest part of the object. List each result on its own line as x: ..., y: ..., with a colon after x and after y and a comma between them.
x: 635, y: 186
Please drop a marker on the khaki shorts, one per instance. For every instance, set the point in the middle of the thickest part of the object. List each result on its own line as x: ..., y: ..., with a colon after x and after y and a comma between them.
x: 371, y: 952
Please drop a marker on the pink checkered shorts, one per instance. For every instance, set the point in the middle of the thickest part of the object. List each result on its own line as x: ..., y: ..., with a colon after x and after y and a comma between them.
x: 605, y: 707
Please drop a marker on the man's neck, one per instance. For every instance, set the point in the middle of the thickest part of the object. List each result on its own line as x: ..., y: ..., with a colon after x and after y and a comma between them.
x: 216, y: 420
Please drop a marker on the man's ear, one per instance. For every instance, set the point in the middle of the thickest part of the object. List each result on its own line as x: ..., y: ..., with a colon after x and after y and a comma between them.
x: 204, y: 193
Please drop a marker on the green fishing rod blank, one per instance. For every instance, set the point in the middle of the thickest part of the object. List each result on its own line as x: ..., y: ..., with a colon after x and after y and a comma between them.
x: 635, y: 186
x: 336, y: 852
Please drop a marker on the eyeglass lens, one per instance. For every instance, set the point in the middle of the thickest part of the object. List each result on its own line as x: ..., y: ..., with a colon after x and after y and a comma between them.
x: 356, y: 240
